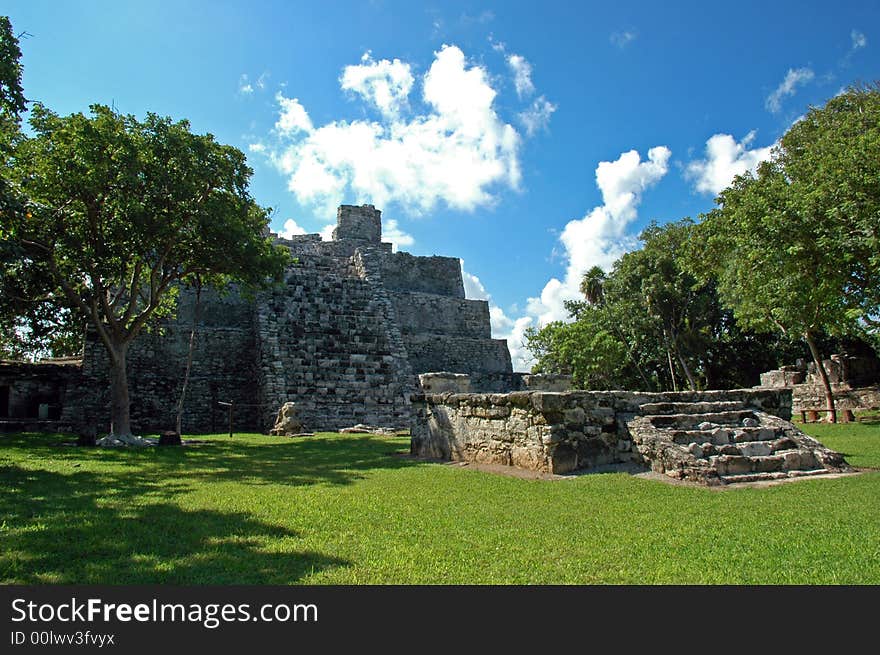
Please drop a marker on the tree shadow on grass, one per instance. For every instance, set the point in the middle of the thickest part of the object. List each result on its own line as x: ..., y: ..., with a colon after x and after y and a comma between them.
x: 85, y: 527
x: 315, y: 460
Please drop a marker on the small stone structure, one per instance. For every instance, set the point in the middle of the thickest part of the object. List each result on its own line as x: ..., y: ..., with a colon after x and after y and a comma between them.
x: 712, y: 437
x: 33, y: 395
x: 854, y: 382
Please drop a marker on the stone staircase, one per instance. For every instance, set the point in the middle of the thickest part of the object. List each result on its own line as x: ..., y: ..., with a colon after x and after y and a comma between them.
x: 725, y: 442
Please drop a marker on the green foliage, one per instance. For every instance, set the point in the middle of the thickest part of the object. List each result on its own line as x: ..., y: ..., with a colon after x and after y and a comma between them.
x: 650, y: 319
x: 584, y: 349
x: 120, y: 211
x: 795, y: 246
x: 12, y: 100
x: 349, y: 509
x: 118, y: 214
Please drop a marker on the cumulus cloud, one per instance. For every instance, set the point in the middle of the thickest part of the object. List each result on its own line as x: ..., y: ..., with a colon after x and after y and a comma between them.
x: 623, y: 38
x: 725, y: 159
x: 602, y: 235
x: 290, y: 229
x: 393, y: 233
x: 597, y: 239
x: 458, y: 152
x: 327, y: 232
x: 384, y: 84
x: 473, y: 288
x: 522, y: 75
x: 537, y: 116
x: 292, y: 116
x: 788, y: 87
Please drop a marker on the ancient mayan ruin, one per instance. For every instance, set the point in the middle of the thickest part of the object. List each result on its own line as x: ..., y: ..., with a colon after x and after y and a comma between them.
x: 344, y: 337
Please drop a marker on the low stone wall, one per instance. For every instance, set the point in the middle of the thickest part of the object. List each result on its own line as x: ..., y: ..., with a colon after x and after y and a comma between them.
x: 807, y: 396
x: 555, y: 432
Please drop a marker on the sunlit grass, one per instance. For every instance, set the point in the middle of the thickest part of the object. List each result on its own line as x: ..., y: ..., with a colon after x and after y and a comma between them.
x: 351, y: 509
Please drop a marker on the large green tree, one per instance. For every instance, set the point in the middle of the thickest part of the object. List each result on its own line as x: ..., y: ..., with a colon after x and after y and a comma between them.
x: 120, y: 212
x: 796, y: 245
x: 650, y: 324
x: 29, y: 323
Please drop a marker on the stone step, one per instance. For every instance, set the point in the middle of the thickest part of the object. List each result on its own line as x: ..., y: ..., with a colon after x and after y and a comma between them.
x: 685, y: 421
x: 725, y: 435
x: 692, y: 408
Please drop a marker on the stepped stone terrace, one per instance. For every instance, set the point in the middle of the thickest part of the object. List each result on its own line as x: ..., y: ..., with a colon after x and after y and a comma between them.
x: 710, y: 437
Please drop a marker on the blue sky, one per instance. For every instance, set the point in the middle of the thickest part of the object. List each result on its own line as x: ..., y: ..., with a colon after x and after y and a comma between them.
x: 532, y: 140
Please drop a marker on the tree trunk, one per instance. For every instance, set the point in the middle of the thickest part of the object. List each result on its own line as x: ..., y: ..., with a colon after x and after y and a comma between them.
x: 823, y: 374
x: 671, y: 369
x: 120, y: 423
x: 687, y: 371
x: 189, y: 357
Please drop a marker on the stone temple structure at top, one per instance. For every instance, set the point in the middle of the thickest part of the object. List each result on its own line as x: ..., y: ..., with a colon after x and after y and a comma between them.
x: 344, y: 337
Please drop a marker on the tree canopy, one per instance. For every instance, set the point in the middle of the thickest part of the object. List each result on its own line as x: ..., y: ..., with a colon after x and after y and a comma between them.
x: 796, y: 245
x: 119, y: 212
x: 650, y: 324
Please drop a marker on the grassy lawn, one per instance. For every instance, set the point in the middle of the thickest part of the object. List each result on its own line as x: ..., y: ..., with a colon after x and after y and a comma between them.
x: 335, y: 509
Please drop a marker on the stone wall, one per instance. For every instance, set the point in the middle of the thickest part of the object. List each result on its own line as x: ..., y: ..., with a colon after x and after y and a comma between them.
x: 554, y: 432
x: 325, y: 343
x: 440, y: 352
x: 362, y: 223
x: 223, y: 369
x: 425, y: 313
x: 440, y: 276
x: 32, y: 395
x: 807, y: 396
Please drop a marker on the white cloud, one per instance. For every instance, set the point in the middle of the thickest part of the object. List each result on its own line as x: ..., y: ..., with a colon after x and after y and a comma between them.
x: 292, y: 116
x: 385, y: 84
x: 623, y: 38
x: 392, y: 233
x: 859, y: 40
x: 725, y: 159
x: 261, y: 81
x: 522, y: 75
x: 257, y: 147
x: 327, y: 232
x: 290, y: 229
x: 601, y: 236
x: 537, y: 116
x: 794, y: 78
x: 457, y: 153
x: 597, y: 239
x: 473, y: 288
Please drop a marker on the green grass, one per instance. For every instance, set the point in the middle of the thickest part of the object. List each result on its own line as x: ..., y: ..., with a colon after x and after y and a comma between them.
x: 336, y: 509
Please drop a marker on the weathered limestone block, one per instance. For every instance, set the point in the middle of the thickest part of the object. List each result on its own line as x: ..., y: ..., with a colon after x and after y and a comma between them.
x: 287, y: 423
x: 545, y: 382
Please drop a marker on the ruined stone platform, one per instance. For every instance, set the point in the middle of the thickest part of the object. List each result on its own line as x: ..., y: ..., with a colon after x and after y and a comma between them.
x: 709, y: 437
